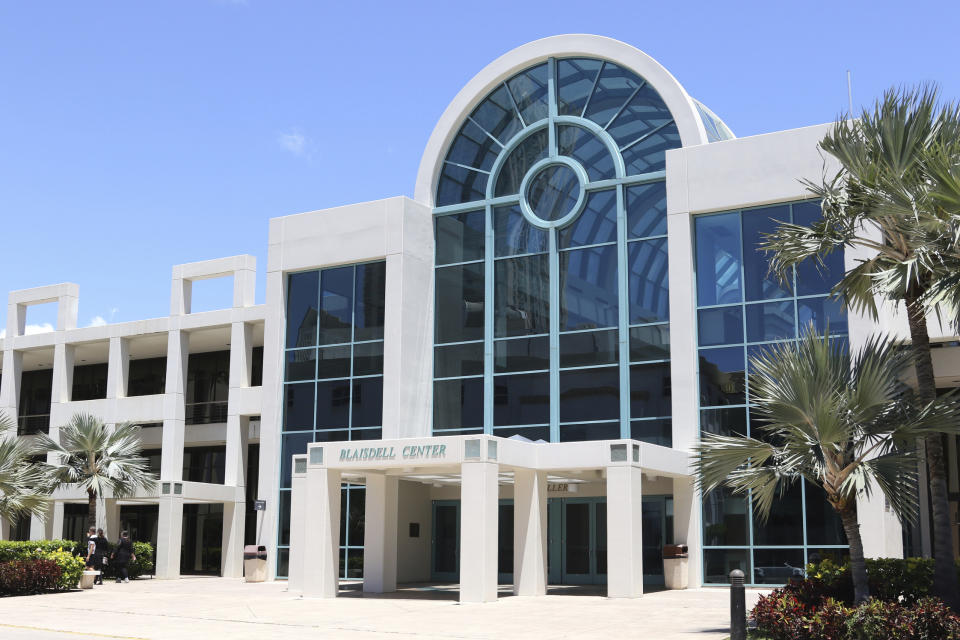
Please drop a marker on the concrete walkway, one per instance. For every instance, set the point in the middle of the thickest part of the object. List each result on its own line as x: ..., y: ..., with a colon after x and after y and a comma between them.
x: 224, y: 608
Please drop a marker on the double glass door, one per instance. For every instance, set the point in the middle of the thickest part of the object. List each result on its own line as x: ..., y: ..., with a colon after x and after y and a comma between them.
x: 577, y: 535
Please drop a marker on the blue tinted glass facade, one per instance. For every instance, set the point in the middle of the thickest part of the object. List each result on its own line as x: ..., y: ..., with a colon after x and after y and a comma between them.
x: 554, y: 322
x: 741, y: 310
x: 333, y: 382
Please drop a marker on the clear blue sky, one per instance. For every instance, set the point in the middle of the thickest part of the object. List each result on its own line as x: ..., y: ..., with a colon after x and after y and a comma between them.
x: 139, y: 135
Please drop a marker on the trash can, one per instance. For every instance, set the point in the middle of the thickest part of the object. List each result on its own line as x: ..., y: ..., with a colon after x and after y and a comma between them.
x: 676, y: 572
x: 255, y: 563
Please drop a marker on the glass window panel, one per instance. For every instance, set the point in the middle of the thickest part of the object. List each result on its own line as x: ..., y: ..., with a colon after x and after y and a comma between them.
x: 371, y: 281
x: 650, y: 343
x: 650, y: 153
x: 720, y: 325
x: 521, y: 296
x: 575, y: 78
x: 785, y: 524
x: 497, y: 115
x: 647, y: 210
x: 531, y: 150
x: 650, y: 392
x: 459, y: 303
x: 514, y: 235
x: 301, y: 365
x: 284, y: 537
x: 354, y: 564
x: 534, y: 434
x: 588, y: 288
x: 588, y: 348
x: 658, y: 432
x: 590, y: 394
x: 367, y: 358
x: 355, y: 516
x: 302, y: 296
x: 718, y: 259
x: 724, y: 422
x: 722, y: 376
x: 334, y: 362
x: 367, y: 402
x: 336, y: 305
x: 458, y: 432
x: 366, y: 434
x: 458, y: 403
x: 283, y: 562
x: 822, y: 312
x: 724, y: 518
x: 718, y: 563
x: 333, y: 404
x: 811, y: 278
x: 473, y: 147
x: 777, y: 566
x: 458, y: 184
x: 298, y: 406
x: 649, y: 281
x: 595, y: 225
x: 332, y: 435
x: 529, y: 90
x: 838, y: 556
x: 459, y: 237
x: 458, y: 360
x: 770, y: 321
x: 526, y: 354
x: 759, y: 283
x: 614, y: 88
x: 293, y: 444
x: 823, y: 524
x: 553, y: 192
x: 645, y: 112
x: 587, y: 149
x: 521, y: 399
x: 589, y: 431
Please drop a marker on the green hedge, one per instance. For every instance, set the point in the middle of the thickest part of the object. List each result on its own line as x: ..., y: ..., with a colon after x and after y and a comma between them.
x: 33, y: 575
x: 143, y: 565
x: 11, y: 550
x: 890, y: 579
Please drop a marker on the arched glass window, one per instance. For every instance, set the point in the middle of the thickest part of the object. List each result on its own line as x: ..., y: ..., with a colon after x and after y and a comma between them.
x: 552, y: 309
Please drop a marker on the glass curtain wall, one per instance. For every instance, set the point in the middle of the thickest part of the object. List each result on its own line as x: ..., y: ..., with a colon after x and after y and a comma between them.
x: 333, y: 383
x: 743, y: 309
x: 552, y: 309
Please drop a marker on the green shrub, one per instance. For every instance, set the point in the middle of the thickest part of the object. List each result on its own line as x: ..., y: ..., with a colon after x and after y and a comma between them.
x: 14, y: 550
x: 71, y: 568
x: 890, y: 579
x: 36, y: 575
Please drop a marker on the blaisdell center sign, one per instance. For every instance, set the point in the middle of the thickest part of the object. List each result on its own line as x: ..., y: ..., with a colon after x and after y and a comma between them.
x: 409, y: 452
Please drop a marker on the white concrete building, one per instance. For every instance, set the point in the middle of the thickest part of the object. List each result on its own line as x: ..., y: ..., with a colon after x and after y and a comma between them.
x: 496, y: 381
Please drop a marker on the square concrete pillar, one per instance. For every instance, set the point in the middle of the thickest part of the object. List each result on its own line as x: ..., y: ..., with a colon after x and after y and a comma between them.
x: 169, y: 535
x: 238, y: 436
x: 108, y: 518
x: 380, y: 534
x: 118, y: 367
x: 4, y: 529
x: 171, y: 458
x: 56, y: 530
x: 321, y: 551
x: 624, y: 531
x: 687, y: 527
x: 479, y: 508
x: 231, y: 556
x: 298, y: 517
x: 529, y: 532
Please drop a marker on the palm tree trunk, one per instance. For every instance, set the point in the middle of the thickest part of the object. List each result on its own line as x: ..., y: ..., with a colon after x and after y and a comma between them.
x: 858, y: 566
x: 945, y: 584
x: 91, y: 508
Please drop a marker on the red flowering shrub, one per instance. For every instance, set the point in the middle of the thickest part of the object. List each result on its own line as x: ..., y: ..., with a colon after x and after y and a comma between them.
x: 28, y: 576
x: 782, y: 616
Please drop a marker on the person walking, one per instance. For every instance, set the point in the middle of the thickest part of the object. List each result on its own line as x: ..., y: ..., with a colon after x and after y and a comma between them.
x: 91, y: 562
x: 122, y: 555
x: 101, y: 549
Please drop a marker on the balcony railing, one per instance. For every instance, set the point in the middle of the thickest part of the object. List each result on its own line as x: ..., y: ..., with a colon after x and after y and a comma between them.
x: 37, y: 423
x: 206, y: 412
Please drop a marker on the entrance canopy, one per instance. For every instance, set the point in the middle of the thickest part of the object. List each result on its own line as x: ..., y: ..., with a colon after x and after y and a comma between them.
x: 479, y: 466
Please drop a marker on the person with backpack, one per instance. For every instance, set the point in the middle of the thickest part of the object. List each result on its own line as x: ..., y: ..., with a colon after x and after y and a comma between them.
x: 91, y: 562
x: 102, y: 546
x: 122, y: 554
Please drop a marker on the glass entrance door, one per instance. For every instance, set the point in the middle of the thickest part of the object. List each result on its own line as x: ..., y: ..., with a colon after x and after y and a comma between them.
x: 445, y: 561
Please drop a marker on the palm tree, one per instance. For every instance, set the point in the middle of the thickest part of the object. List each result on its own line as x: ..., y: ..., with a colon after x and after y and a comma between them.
x: 897, y: 198
x: 98, y: 459
x: 845, y: 423
x: 21, y: 481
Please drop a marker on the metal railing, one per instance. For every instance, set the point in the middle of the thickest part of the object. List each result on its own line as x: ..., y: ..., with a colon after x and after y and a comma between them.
x: 206, y: 412
x: 37, y: 423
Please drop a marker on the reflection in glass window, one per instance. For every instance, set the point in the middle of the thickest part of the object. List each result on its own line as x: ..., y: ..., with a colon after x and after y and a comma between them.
x: 770, y: 321
x: 497, y: 116
x: 529, y: 91
x: 589, y: 394
x: 650, y: 391
x: 459, y: 237
x: 649, y: 281
x: 529, y: 152
x: 302, y: 296
x: 473, y: 147
x: 822, y: 312
x: 458, y: 360
x: 614, y: 88
x: 459, y: 303
x: 596, y: 225
x: 525, y: 354
x: 759, y: 283
x: 722, y: 376
x: 336, y: 305
x: 647, y: 210
x: 522, y: 296
x: 301, y: 365
x: 589, y: 431
x: 521, y: 399
x: 648, y: 153
x: 724, y: 422
x: 725, y: 519
x: 718, y: 259
x: 575, y: 80
x: 640, y: 117
x: 812, y: 278
x: 581, y: 145
x: 513, y: 235
x: 650, y: 342
x: 334, y: 362
x: 460, y: 184
x: 588, y: 348
x: 720, y: 325
x: 777, y: 566
x: 458, y: 403
x: 588, y: 288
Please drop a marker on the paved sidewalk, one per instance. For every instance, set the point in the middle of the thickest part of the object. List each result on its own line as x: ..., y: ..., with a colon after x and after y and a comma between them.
x: 225, y: 608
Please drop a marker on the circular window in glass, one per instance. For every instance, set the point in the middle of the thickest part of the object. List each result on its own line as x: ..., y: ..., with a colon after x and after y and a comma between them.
x: 554, y: 192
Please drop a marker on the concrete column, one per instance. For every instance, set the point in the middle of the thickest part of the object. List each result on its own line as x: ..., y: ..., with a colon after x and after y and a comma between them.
x: 231, y: 556
x: 57, y: 524
x: 10, y: 381
x: 321, y: 554
x: 380, y: 534
x: 169, y: 536
x: 4, y: 529
x: 171, y: 457
x: 298, y: 517
x: 62, y: 374
x: 479, y: 509
x: 41, y: 526
x: 687, y: 527
x: 118, y: 368
x: 529, y: 532
x: 624, y: 532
